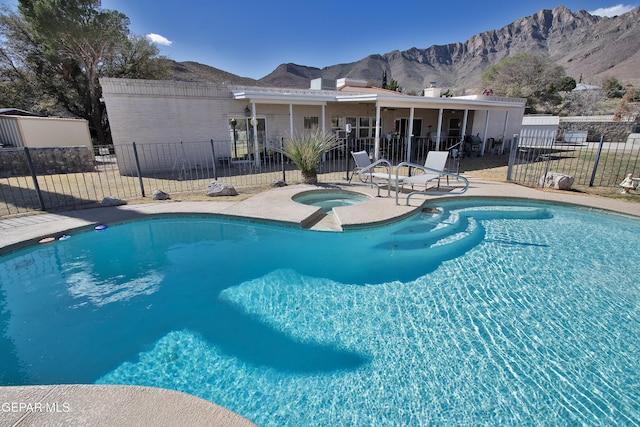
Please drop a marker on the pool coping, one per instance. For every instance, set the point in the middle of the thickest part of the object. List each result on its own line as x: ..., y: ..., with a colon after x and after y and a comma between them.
x: 123, y: 405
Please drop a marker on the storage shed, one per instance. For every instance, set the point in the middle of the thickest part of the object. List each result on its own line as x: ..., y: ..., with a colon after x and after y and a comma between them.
x: 41, y: 132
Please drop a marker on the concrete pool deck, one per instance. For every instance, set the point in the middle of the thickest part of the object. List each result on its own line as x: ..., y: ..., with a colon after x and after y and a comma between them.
x: 130, y: 405
x: 276, y: 205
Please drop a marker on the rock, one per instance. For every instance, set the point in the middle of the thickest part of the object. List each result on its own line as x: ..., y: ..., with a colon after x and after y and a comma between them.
x: 112, y: 201
x: 216, y: 189
x: 556, y: 180
x: 160, y: 195
x: 278, y: 183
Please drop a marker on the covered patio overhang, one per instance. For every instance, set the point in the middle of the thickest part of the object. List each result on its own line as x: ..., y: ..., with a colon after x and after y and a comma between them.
x: 411, y: 103
x: 302, y: 97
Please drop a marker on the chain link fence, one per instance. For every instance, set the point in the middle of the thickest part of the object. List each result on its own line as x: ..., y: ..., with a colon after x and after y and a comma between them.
x: 592, y: 164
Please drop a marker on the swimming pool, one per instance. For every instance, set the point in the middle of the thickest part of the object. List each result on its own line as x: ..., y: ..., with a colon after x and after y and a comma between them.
x: 477, y: 313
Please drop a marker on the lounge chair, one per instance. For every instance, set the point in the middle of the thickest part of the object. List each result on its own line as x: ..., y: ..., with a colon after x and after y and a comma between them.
x: 367, y: 171
x: 433, y: 169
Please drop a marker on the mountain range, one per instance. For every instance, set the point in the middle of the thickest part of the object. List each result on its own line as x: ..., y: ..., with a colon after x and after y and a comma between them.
x: 590, y: 48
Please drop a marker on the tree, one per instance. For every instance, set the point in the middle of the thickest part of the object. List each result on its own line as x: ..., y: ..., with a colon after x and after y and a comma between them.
x: 567, y: 84
x: 59, y: 48
x: 613, y: 88
x: 627, y: 109
x: 394, y: 85
x: 583, y: 102
x: 18, y: 85
x: 391, y: 85
x: 528, y: 76
x: 136, y: 58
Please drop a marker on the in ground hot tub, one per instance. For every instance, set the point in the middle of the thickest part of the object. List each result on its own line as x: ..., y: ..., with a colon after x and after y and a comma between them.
x: 329, y: 199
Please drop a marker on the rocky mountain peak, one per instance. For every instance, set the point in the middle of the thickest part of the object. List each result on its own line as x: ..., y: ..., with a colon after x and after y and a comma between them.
x: 586, y: 45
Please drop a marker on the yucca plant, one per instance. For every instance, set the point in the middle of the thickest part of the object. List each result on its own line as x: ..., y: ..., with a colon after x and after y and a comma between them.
x: 306, y: 151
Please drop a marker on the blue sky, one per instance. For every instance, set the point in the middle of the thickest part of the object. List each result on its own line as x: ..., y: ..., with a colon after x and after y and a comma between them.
x: 251, y: 38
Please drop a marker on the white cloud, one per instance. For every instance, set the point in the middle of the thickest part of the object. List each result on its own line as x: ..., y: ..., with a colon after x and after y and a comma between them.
x: 158, y: 39
x: 618, y: 9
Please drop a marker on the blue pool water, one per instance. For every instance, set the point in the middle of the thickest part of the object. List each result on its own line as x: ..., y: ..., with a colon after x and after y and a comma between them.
x: 475, y: 314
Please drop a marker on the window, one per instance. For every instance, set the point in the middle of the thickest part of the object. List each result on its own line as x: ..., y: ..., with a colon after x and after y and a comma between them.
x: 361, y: 127
x: 367, y: 127
x: 241, y: 137
x: 311, y: 123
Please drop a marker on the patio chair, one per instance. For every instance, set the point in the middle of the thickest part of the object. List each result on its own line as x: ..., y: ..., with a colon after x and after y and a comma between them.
x: 433, y: 169
x: 366, y: 171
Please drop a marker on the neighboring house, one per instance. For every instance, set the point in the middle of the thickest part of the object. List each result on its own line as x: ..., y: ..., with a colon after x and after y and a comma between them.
x: 152, y: 112
x: 22, y: 129
x: 585, y: 86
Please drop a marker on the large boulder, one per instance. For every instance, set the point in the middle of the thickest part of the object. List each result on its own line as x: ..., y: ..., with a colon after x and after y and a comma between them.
x: 278, y: 183
x: 112, y: 201
x: 217, y: 189
x: 556, y: 180
x: 161, y: 195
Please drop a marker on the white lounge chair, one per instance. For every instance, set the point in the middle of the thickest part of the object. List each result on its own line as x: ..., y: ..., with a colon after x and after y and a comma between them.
x: 367, y: 171
x: 433, y: 168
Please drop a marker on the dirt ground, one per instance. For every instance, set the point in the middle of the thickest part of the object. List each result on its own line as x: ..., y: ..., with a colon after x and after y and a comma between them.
x: 491, y: 167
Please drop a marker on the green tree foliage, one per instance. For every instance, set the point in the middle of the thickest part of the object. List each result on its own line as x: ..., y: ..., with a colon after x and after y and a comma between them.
x: 394, y: 85
x: 390, y: 85
x: 613, y: 88
x: 54, y: 51
x: 567, y: 84
x: 528, y: 76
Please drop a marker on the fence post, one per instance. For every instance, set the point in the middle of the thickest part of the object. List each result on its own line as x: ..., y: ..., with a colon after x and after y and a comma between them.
x: 284, y: 174
x: 135, y: 155
x: 213, y: 154
x: 346, y: 156
x: 27, y: 155
x: 512, y: 156
x: 595, y: 164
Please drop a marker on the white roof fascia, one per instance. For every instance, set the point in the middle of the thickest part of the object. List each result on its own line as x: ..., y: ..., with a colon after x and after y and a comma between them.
x: 393, y: 101
x: 283, y: 98
x: 401, y: 101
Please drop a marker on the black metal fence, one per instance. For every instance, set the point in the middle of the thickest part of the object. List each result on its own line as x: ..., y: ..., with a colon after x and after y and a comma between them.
x: 70, y: 177
x: 593, y: 164
x: 32, y: 181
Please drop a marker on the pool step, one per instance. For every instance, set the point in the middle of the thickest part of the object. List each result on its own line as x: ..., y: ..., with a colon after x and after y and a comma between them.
x: 437, y: 229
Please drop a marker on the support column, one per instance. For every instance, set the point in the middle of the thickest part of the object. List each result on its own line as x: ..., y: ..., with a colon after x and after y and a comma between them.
x: 376, y: 140
x: 410, y: 133
x: 256, y: 146
x: 464, y: 124
x: 290, y: 120
x: 439, y: 131
x: 484, y: 136
x: 504, y: 132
